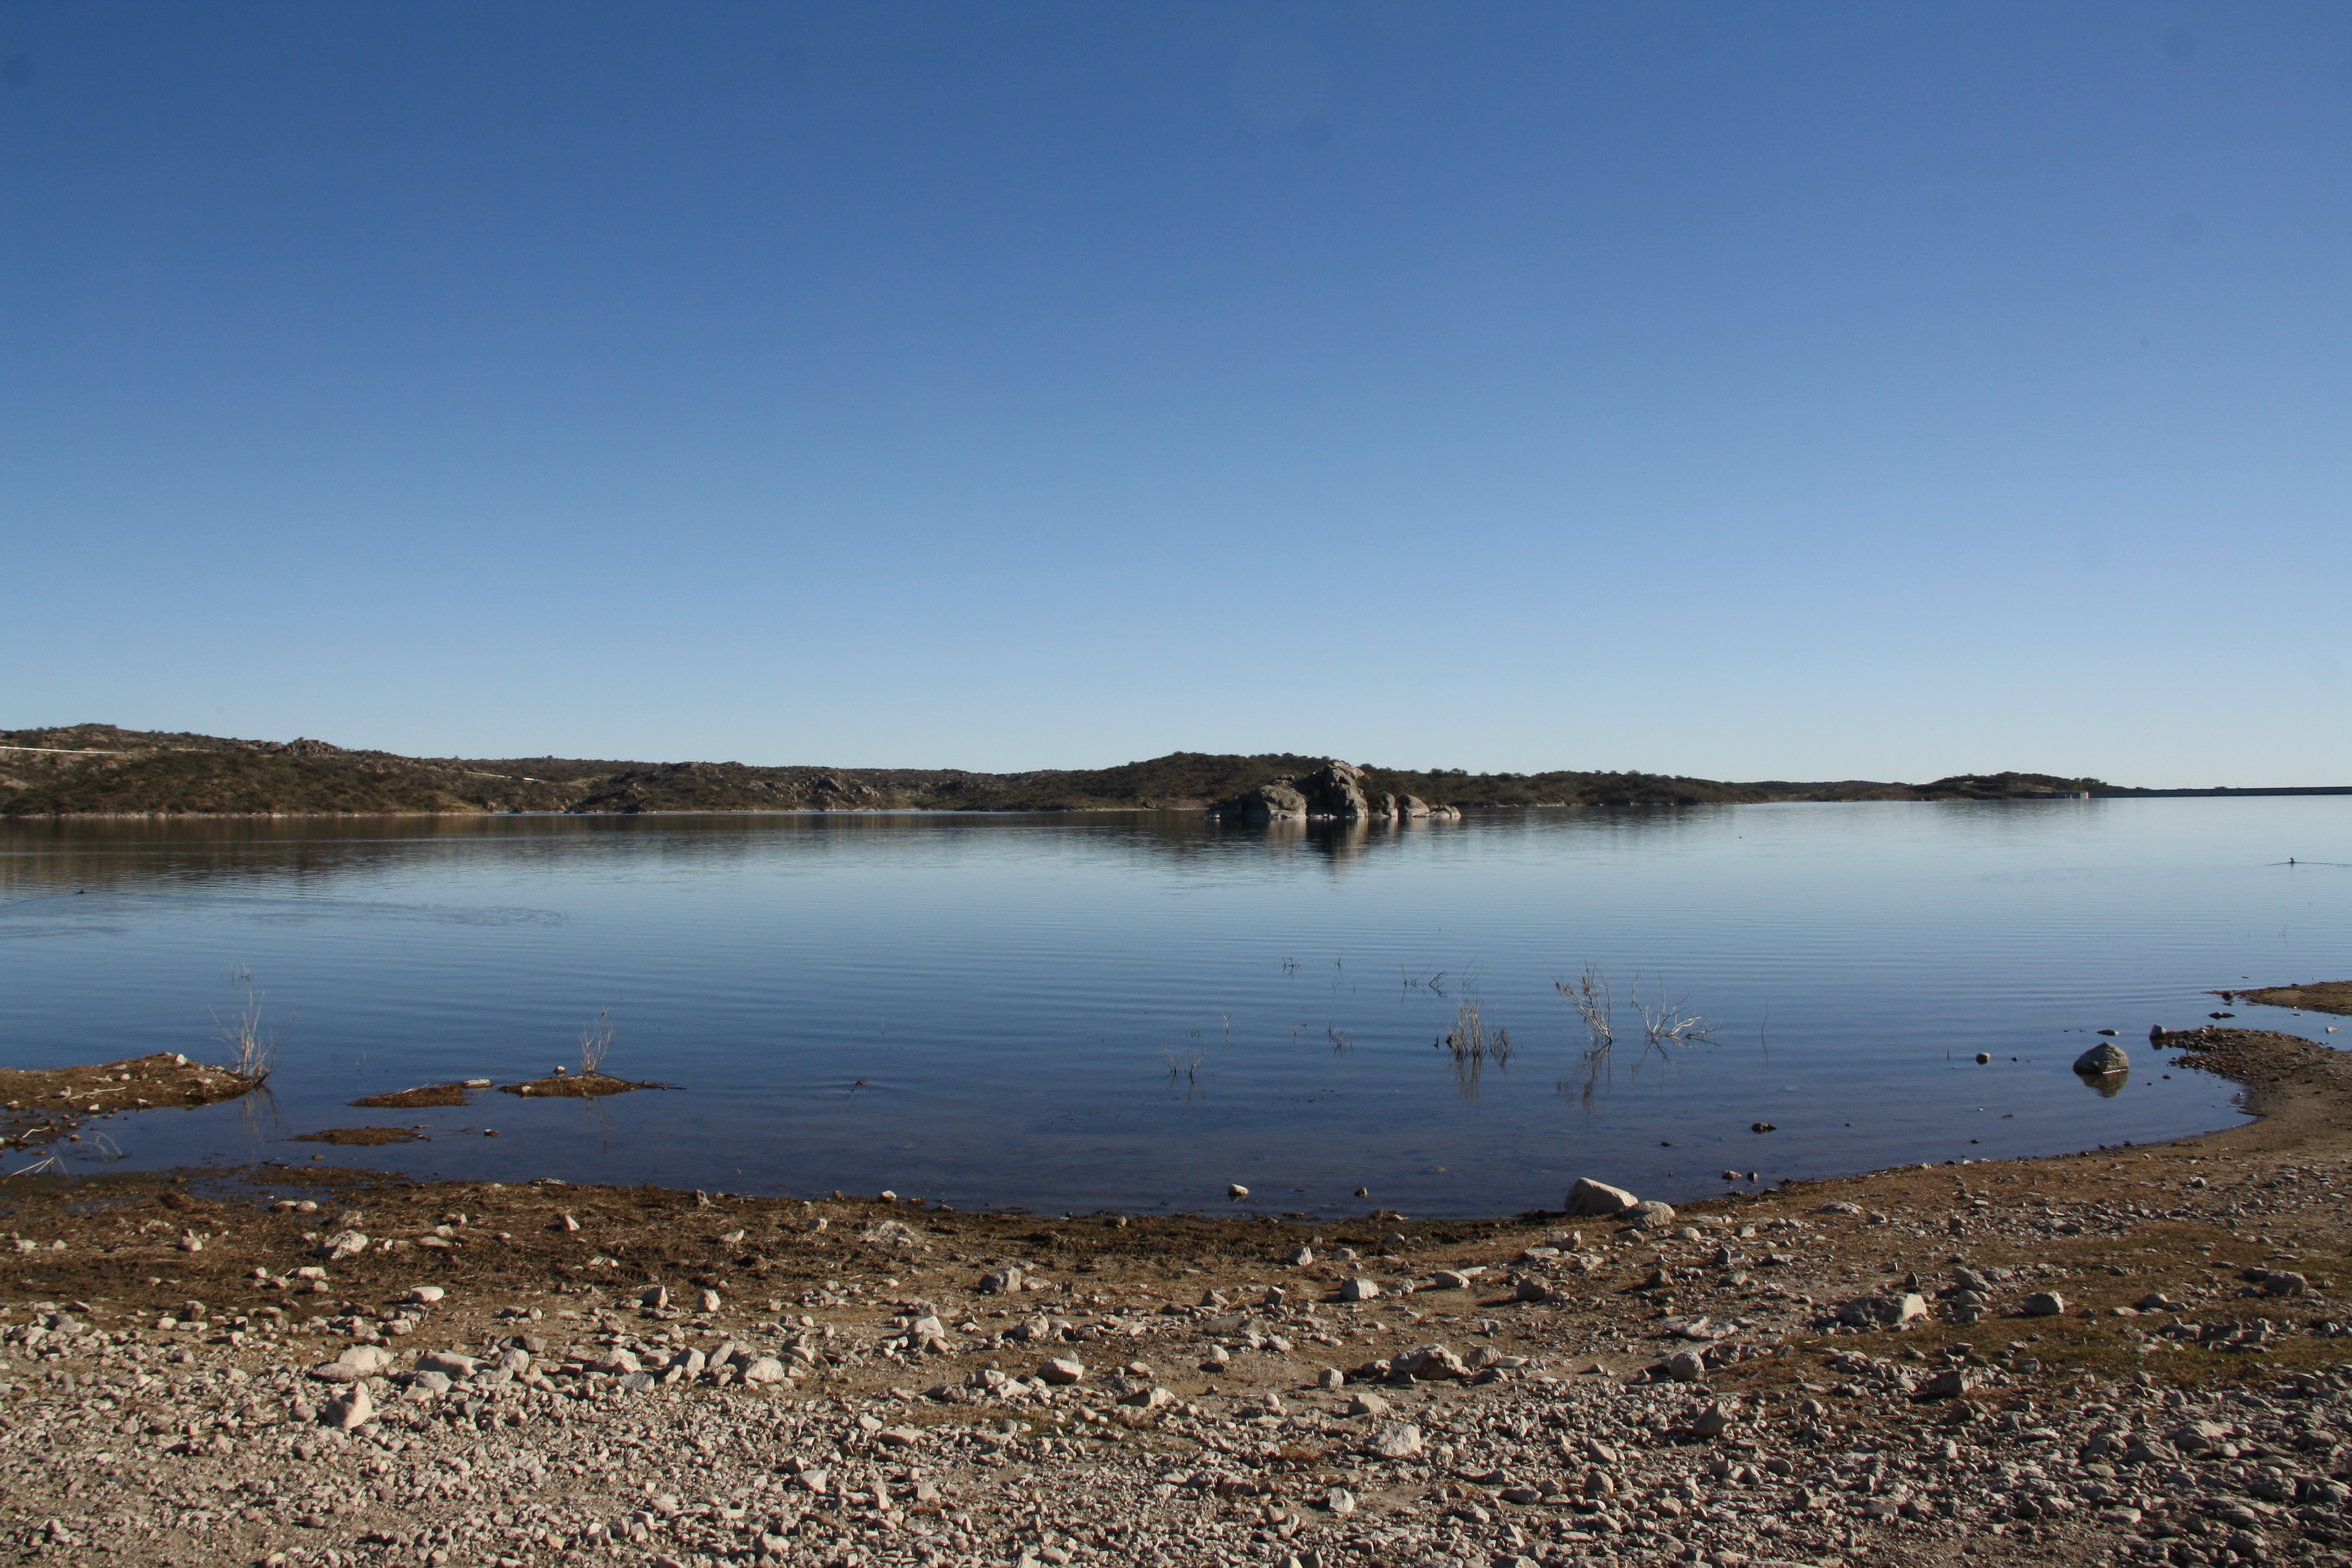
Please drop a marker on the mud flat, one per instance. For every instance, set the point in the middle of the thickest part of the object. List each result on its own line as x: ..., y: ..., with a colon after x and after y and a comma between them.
x: 2319, y: 996
x: 2144, y: 1360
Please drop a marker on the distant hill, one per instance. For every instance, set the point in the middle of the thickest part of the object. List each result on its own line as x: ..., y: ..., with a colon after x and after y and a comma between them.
x: 99, y: 770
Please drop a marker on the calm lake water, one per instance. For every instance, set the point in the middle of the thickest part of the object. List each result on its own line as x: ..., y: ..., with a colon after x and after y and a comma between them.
x: 1131, y: 1010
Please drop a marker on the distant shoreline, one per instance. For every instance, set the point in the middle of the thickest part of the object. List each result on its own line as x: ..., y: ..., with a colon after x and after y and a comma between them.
x: 101, y: 771
x: 463, y: 813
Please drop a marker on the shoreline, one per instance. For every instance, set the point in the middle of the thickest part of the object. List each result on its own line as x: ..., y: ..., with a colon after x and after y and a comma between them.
x: 867, y: 1382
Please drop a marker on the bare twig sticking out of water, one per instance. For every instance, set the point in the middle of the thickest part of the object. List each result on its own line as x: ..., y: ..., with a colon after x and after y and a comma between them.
x: 1433, y: 983
x: 1338, y: 1038
x: 52, y: 1161
x: 1186, y: 1064
x: 1589, y: 994
x: 595, y: 1044
x: 1472, y: 1044
x: 253, y: 1055
x: 1666, y: 1023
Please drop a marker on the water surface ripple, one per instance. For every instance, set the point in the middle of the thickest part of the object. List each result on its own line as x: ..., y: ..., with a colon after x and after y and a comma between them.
x: 1130, y: 1011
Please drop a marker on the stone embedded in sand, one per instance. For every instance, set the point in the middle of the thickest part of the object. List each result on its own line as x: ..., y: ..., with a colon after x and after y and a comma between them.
x: 1892, y: 1311
x: 2044, y: 1304
x: 426, y: 1295
x: 1359, y: 1291
x: 1651, y: 1215
x: 1000, y: 1281
x: 350, y: 1411
x: 1592, y: 1197
x: 365, y: 1360
x: 1430, y: 1362
x: 1300, y: 1257
x: 1400, y: 1440
x: 342, y: 1245
x: 1062, y: 1370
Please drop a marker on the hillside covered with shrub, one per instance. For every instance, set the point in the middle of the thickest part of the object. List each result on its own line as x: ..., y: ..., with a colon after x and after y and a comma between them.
x: 99, y: 770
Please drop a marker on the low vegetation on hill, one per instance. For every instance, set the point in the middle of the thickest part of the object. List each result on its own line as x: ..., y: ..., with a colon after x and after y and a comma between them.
x: 99, y: 770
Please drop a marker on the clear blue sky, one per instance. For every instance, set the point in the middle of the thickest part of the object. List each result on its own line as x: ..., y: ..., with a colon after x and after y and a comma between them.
x: 1743, y: 390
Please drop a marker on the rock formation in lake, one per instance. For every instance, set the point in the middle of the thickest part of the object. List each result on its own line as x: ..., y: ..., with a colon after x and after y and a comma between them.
x: 1332, y: 793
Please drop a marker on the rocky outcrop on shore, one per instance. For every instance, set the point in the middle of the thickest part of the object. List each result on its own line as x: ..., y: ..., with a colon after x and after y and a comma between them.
x: 1332, y: 793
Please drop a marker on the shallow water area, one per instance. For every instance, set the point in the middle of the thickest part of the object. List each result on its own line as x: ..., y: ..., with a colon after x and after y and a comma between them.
x: 1131, y: 1010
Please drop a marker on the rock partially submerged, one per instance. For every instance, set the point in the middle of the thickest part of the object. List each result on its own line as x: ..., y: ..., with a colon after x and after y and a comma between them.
x: 1334, y: 791
x: 2102, y: 1060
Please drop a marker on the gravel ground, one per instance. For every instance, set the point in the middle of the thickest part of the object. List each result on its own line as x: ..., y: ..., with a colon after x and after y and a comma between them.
x: 2128, y: 1355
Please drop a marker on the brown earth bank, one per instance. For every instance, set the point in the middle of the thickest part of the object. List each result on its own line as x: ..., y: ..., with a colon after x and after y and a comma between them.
x: 38, y: 1104
x: 99, y: 770
x: 2126, y: 1355
x: 2317, y: 996
x: 566, y: 1084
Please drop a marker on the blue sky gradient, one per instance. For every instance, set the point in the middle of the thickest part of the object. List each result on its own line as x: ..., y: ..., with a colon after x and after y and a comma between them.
x: 1750, y: 391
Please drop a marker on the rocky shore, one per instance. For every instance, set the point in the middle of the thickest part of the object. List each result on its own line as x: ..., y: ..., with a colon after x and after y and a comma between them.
x: 2128, y: 1355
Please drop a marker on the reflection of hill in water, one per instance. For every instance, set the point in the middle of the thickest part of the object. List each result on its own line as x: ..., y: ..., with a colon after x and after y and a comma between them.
x: 159, y: 855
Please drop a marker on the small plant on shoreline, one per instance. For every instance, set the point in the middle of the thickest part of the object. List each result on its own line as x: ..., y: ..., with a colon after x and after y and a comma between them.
x: 253, y: 1053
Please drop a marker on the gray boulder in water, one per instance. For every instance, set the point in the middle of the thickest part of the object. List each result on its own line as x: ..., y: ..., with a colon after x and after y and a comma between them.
x: 1335, y: 789
x: 1276, y: 802
x: 2102, y: 1058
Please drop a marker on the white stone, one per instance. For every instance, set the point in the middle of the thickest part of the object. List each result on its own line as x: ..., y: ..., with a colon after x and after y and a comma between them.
x: 1592, y: 1197
x: 365, y: 1360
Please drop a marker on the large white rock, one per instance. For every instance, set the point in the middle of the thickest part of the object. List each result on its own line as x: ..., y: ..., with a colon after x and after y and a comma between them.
x: 1592, y: 1197
x: 366, y: 1360
x: 1397, y: 1441
x: 1062, y: 1370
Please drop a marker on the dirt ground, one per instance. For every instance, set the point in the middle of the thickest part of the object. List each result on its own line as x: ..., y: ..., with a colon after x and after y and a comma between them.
x: 52, y: 1102
x: 2189, y: 1223
x: 2319, y: 996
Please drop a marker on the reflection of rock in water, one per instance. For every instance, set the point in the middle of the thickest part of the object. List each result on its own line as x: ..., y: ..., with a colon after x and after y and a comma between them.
x: 2106, y: 1067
